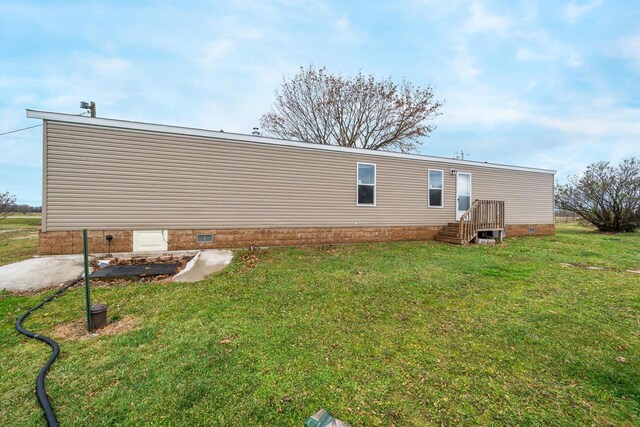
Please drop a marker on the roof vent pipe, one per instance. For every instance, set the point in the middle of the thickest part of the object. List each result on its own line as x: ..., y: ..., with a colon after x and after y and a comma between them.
x: 255, y: 132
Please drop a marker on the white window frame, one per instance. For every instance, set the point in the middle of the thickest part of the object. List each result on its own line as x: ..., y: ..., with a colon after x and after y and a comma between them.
x: 429, y: 188
x: 374, y: 185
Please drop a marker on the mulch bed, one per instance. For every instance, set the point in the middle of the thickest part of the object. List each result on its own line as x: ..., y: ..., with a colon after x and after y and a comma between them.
x: 163, y: 278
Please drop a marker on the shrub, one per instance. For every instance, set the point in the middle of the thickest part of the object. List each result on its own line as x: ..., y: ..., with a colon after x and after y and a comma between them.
x: 606, y: 196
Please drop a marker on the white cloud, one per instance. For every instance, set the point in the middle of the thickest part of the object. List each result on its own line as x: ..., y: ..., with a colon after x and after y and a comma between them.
x: 530, y: 11
x: 20, y: 148
x: 108, y: 65
x: 482, y: 21
x: 550, y: 51
x: 574, y: 11
x: 464, y: 64
x: 526, y: 54
x: 629, y: 48
x: 477, y: 105
x: 594, y: 124
x: 563, y: 139
x: 346, y: 33
x: 216, y: 49
x: 573, y: 59
x: 431, y: 10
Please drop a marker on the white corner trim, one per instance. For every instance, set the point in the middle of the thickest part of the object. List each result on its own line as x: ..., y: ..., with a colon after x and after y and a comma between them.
x: 242, y: 138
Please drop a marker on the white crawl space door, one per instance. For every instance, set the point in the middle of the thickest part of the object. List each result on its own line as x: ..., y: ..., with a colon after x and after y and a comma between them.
x: 150, y: 240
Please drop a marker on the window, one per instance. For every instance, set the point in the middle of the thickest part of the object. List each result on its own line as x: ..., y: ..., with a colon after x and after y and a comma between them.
x: 366, y: 184
x: 436, y: 186
x: 204, y: 238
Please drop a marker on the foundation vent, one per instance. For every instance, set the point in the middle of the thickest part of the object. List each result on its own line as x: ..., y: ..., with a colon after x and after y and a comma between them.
x: 204, y: 238
x: 532, y: 230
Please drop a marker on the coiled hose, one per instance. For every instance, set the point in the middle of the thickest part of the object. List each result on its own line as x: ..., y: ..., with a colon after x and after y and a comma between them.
x: 43, y: 399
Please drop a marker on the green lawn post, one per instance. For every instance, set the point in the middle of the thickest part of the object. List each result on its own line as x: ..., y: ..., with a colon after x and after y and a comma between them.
x: 87, y: 291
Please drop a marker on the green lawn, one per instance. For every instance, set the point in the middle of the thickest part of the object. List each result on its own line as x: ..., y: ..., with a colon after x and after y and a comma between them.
x: 378, y: 334
x: 18, y: 237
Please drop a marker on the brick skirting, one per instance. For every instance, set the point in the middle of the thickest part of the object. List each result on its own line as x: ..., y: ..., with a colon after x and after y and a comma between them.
x: 518, y: 230
x: 70, y: 242
x: 245, y: 237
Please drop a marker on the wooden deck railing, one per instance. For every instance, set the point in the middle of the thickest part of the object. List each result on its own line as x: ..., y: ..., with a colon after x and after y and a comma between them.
x: 483, y: 215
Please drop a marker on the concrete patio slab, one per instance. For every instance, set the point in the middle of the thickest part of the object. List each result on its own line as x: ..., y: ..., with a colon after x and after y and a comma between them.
x: 40, y: 273
x: 205, y: 263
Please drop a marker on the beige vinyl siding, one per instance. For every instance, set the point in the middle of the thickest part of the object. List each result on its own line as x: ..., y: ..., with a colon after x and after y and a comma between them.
x: 107, y: 178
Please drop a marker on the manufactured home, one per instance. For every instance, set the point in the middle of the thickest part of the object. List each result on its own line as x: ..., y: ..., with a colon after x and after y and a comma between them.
x: 141, y: 186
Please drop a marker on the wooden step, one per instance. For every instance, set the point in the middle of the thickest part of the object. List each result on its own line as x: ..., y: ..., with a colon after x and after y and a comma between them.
x: 454, y: 224
x: 447, y: 239
x: 447, y: 233
x: 449, y: 228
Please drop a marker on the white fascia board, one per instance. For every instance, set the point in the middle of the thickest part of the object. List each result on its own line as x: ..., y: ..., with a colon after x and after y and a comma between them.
x: 242, y: 138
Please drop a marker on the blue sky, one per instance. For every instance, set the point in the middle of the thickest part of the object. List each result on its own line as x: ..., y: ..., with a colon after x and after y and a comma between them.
x: 546, y: 84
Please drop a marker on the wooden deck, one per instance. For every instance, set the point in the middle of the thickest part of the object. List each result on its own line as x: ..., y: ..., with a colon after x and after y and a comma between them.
x: 483, y: 215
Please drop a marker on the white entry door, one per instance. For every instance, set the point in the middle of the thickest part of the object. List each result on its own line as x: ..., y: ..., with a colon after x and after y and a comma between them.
x: 463, y: 193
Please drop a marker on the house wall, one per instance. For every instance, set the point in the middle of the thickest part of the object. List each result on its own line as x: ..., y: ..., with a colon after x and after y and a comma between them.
x: 104, y: 178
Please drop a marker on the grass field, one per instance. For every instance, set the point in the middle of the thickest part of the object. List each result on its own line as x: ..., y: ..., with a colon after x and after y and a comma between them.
x: 18, y: 237
x: 378, y: 334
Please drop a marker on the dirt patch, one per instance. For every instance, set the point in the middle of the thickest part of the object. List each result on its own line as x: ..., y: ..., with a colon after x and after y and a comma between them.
x: 27, y: 236
x: 329, y: 249
x: 229, y: 339
x: 251, y: 259
x: 585, y: 266
x: 595, y: 268
x: 76, y: 330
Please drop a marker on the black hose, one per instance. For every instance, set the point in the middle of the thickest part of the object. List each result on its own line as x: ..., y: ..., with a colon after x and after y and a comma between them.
x: 43, y: 399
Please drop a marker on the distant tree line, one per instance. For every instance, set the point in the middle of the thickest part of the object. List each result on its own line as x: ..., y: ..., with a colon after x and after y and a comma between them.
x: 8, y: 205
x: 24, y: 209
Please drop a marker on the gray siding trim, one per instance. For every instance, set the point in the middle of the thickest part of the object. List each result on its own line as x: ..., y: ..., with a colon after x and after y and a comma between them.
x: 105, y: 178
x: 251, y: 139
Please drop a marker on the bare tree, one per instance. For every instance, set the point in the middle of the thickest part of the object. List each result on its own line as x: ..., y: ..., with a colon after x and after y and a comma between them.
x: 606, y: 196
x: 23, y: 209
x: 361, y: 112
x: 7, y: 200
